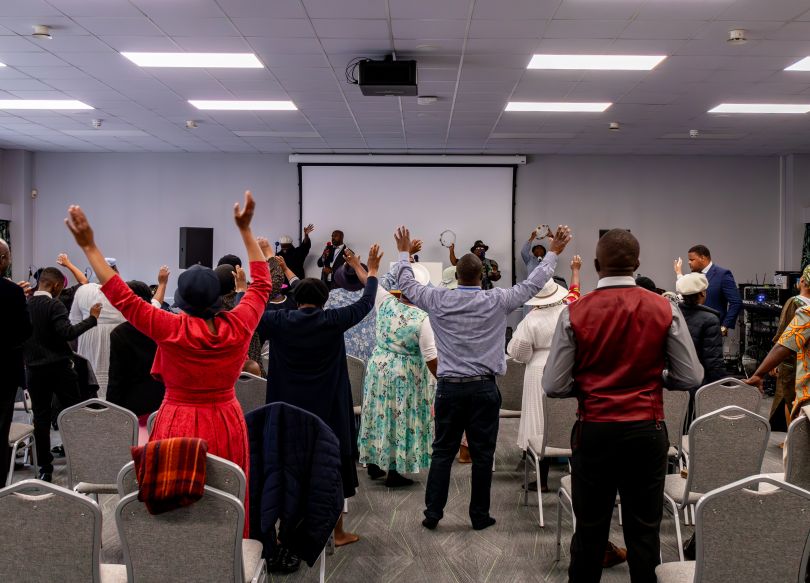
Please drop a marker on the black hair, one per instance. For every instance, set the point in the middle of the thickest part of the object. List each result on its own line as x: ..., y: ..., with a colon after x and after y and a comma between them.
x: 230, y: 260
x: 469, y: 268
x: 646, y: 283
x: 701, y: 250
x: 140, y: 289
x: 50, y: 275
x: 311, y: 291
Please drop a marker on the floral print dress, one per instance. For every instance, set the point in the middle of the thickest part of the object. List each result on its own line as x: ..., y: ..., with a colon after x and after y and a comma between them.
x: 396, y: 430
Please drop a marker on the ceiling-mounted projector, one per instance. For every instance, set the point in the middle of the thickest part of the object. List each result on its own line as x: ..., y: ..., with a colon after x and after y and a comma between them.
x: 387, y: 77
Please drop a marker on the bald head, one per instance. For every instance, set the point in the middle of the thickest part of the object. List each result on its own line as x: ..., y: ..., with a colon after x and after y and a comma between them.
x: 617, y: 254
x: 469, y: 270
x: 5, y: 257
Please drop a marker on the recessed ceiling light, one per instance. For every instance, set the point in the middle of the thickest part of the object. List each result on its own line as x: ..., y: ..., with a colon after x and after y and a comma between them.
x: 597, y: 62
x: 582, y: 107
x: 202, y: 60
x: 803, y: 65
x: 231, y: 105
x: 43, y: 104
x: 761, y: 108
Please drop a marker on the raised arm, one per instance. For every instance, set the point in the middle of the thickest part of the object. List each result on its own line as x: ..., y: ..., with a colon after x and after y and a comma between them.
x: 519, y: 294
x: 78, y: 224
x: 420, y: 295
x: 163, y: 280
x: 62, y: 259
x: 526, y: 250
x: 250, y: 309
x: 353, y: 261
x: 453, y: 258
x: 267, y: 249
x: 352, y: 314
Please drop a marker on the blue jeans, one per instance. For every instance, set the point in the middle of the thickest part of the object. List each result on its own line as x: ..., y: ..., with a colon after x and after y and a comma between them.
x: 473, y: 407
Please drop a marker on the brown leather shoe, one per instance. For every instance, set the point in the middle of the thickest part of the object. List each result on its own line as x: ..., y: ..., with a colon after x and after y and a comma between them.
x: 464, y: 455
x: 613, y: 556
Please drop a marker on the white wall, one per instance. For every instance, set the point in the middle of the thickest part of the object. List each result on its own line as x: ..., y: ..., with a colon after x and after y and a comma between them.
x: 731, y: 205
x: 136, y: 203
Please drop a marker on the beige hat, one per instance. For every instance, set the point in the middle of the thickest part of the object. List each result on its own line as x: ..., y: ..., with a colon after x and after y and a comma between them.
x: 691, y: 284
x: 420, y: 273
x: 449, y: 278
x: 552, y: 293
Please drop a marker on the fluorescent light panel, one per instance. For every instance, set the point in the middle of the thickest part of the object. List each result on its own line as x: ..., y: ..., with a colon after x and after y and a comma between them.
x: 2, y: 65
x: 200, y: 60
x: 231, y: 105
x: 597, y: 62
x: 803, y: 65
x: 761, y: 108
x: 43, y: 104
x: 555, y: 106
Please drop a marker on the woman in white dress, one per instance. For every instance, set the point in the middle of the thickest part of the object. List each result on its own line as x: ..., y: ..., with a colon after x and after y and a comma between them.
x: 531, y: 344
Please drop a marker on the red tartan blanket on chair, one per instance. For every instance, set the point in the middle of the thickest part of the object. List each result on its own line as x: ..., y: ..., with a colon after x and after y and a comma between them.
x: 170, y: 472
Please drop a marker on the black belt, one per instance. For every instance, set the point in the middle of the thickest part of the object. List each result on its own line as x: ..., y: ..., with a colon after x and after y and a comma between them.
x: 459, y: 380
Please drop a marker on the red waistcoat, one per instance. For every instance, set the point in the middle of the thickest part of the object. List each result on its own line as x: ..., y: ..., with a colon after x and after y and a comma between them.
x: 621, y: 335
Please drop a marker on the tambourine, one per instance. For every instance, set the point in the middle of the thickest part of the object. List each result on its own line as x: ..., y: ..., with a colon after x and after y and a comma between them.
x: 447, y: 238
x: 544, y: 232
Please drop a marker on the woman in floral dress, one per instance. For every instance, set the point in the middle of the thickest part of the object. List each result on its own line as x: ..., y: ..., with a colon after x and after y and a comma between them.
x: 396, y: 429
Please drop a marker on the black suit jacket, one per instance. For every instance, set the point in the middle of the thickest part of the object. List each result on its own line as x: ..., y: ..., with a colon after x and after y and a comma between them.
x: 333, y: 261
x: 16, y: 330
x: 131, y: 383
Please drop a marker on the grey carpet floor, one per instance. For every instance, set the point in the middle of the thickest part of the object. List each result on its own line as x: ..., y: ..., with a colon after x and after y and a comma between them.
x: 395, y: 547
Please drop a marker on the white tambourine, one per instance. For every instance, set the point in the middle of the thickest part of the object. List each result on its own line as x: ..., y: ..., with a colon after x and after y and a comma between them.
x: 544, y: 232
x: 447, y: 238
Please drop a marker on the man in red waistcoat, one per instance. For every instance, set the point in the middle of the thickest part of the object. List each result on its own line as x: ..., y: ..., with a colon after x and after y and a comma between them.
x: 615, y: 350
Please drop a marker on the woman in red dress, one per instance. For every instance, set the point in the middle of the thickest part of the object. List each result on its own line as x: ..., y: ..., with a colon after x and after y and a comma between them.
x: 200, y: 352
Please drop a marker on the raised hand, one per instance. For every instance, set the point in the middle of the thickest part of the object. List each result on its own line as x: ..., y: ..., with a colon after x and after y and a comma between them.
x: 403, y: 238
x: 532, y: 236
x: 62, y: 259
x: 416, y: 246
x: 308, y: 229
x: 163, y: 275
x: 678, y: 266
x: 26, y: 287
x: 561, y: 238
x: 374, y: 257
x: 266, y: 248
x: 78, y: 224
x: 95, y: 311
x: 576, y: 263
x: 352, y: 259
x: 240, y: 280
x: 243, y: 216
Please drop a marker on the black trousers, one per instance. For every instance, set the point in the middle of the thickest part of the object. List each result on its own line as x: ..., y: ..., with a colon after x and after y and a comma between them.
x: 43, y: 383
x: 473, y: 407
x: 631, y: 458
x: 8, y: 393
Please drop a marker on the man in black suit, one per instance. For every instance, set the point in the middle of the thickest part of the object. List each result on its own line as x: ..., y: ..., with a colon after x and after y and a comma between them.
x: 16, y: 329
x: 332, y: 258
x: 49, y: 359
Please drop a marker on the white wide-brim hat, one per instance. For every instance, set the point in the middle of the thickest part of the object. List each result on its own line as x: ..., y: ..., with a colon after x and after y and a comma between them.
x: 552, y: 293
x: 449, y: 278
x: 692, y: 283
x: 420, y: 273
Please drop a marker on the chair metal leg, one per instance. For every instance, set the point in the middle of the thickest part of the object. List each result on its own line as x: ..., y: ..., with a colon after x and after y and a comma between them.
x: 322, y: 575
x: 345, y: 506
x: 11, y: 465
x: 677, y: 516
x: 559, y: 523
x: 526, y: 479
x: 620, y: 514
x: 539, y: 491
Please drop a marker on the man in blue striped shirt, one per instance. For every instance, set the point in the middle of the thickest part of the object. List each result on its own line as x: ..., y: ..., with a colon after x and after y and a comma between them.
x: 469, y: 325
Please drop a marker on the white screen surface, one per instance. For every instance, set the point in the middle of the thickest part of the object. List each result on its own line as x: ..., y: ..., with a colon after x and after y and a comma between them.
x: 368, y: 202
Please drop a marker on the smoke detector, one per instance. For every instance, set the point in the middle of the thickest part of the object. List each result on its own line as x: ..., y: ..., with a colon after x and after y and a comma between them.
x: 694, y: 133
x: 96, y: 123
x: 42, y: 31
x: 191, y: 124
x: 614, y: 126
x: 427, y: 99
x: 736, y: 36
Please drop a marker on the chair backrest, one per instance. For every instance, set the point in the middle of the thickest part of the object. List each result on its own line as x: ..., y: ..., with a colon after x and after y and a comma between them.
x: 357, y: 378
x: 725, y: 446
x: 150, y: 422
x: 511, y: 385
x: 676, y: 406
x: 725, y: 392
x: 797, y: 446
x: 559, y: 416
x: 201, y: 542
x: 220, y: 473
x: 97, y: 436
x: 49, y: 534
x: 738, y: 526
x: 251, y: 391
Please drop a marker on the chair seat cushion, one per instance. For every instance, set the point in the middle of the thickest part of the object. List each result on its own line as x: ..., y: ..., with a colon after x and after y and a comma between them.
x: 251, y: 556
x: 18, y: 431
x: 90, y: 488
x: 676, y: 572
x: 673, y: 487
x: 111, y: 573
x: 507, y: 414
x: 536, y: 443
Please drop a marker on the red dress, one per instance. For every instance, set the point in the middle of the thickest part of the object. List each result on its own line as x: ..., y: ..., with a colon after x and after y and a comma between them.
x: 199, y: 368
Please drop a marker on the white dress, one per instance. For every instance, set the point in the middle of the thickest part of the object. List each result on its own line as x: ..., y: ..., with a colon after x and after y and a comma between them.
x: 94, y: 345
x: 531, y: 344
